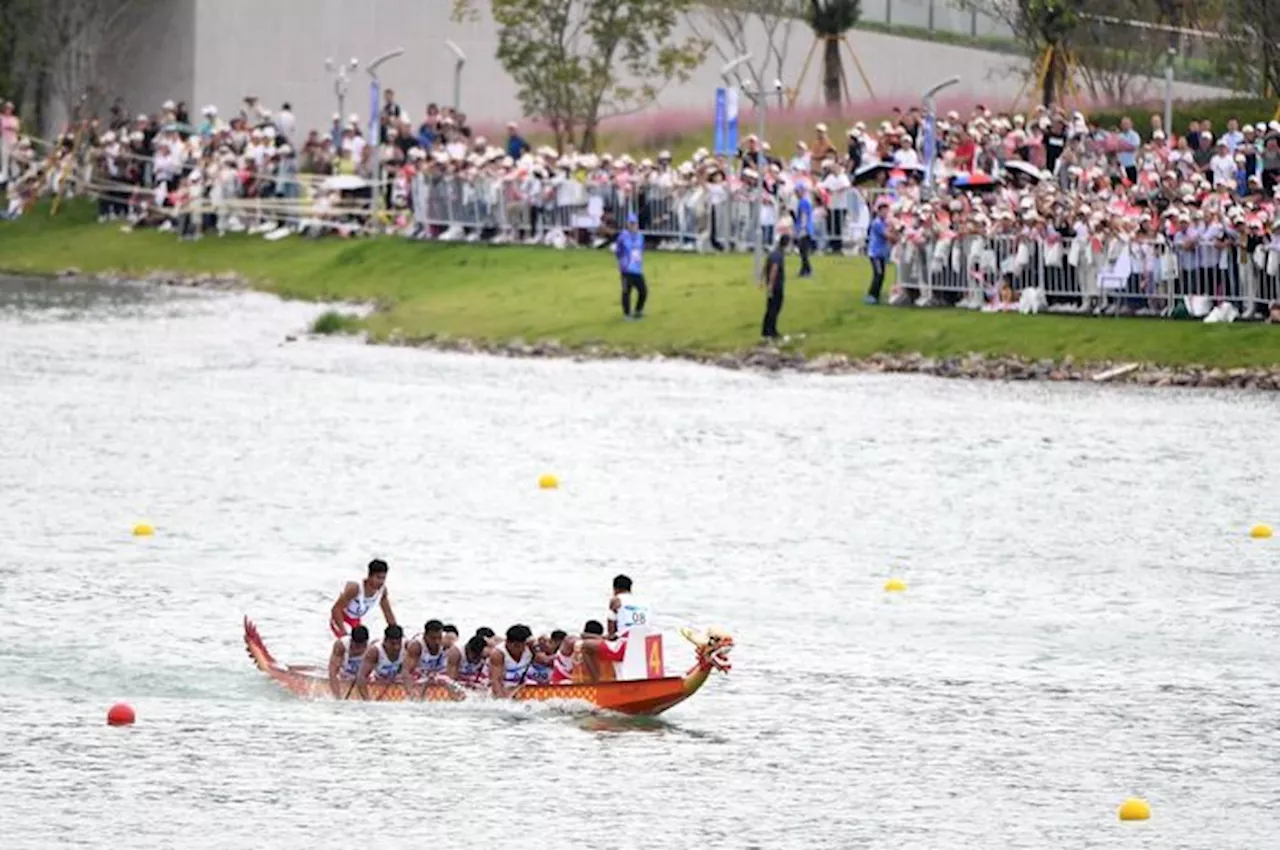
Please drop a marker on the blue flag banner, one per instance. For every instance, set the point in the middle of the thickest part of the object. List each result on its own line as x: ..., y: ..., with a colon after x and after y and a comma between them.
x: 374, y: 113
x: 930, y: 144
x: 721, y: 124
x: 726, y: 124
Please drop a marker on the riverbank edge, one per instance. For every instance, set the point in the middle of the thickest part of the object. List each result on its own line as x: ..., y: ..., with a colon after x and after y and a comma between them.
x: 760, y: 358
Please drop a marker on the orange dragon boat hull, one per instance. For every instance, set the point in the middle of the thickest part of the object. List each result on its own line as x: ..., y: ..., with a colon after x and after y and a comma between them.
x: 637, y: 697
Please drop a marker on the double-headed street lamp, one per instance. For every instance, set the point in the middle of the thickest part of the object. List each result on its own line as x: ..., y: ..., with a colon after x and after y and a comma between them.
x: 340, y: 82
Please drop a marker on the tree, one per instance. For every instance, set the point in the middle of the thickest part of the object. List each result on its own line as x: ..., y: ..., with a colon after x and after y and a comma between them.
x: 1116, y: 59
x: 17, y: 20
x: 55, y: 53
x: 1253, y: 30
x: 577, y: 62
x: 731, y: 26
x: 830, y: 20
x: 1046, y: 29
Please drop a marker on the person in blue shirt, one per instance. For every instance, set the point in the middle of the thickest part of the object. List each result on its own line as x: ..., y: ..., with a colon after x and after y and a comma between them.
x: 878, y: 251
x: 804, y: 229
x: 1128, y: 153
x: 629, y: 249
x: 516, y: 145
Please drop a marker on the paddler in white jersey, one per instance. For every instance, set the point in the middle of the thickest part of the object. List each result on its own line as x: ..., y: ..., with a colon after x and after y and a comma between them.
x: 384, y: 661
x: 625, y: 610
x: 509, y: 662
x: 345, y: 659
x: 469, y: 665
x: 428, y: 655
x: 359, y: 597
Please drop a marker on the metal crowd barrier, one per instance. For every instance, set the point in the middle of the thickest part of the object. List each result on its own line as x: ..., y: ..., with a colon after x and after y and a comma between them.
x: 705, y: 217
x: 1151, y: 275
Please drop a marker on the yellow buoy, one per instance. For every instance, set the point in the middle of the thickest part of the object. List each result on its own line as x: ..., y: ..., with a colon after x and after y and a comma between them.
x: 143, y: 530
x: 1260, y: 532
x: 895, y: 585
x: 1134, y: 809
x: 548, y: 482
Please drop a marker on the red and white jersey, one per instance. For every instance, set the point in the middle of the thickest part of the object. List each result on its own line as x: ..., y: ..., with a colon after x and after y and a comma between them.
x: 562, y: 667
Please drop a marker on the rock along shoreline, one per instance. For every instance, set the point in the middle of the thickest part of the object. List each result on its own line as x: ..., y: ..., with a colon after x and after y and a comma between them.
x: 762, y: 358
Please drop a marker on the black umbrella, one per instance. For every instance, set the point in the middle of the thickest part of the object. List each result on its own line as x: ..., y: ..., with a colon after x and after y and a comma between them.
x: 870, y: 172
x: 1026, y: 169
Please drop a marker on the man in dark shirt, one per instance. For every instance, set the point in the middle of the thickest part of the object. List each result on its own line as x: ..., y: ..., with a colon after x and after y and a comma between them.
x: 391, y: 115
x: 1055, y: 142
x: 774, y: 284
x: 1193, y: 135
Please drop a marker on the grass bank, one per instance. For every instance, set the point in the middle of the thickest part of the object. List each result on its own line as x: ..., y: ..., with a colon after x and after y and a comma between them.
x: 700, y: 303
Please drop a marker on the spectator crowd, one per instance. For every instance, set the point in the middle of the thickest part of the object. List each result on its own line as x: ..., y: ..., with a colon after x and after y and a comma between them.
x: 1040, y: 211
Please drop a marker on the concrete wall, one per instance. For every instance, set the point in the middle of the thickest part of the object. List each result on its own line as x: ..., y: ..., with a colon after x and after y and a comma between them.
x: 160, y: 62
x: 217, y: 51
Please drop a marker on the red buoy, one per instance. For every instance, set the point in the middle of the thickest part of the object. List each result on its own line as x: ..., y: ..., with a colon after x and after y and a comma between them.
x: 120, y: 714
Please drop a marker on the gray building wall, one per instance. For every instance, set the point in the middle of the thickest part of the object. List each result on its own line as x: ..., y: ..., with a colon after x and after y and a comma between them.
x: 218, y: 51
x: 160, y: 62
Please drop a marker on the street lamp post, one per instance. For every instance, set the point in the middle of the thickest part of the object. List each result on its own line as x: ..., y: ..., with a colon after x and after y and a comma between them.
x: 457, y: 73
x: 931, y: 130
x: 1168, y: 95
x: 376, y: 141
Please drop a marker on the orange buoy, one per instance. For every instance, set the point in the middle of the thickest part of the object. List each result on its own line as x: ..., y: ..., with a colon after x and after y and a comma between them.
x: 120, y: 714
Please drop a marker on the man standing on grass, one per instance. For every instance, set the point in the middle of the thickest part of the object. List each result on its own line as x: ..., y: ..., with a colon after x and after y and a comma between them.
x: 804, y: 229
x: 775, y: 278
x: 629, y: 249
x: 878, y: 251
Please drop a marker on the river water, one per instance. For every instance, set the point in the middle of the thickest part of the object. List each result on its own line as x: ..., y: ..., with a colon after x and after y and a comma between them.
x: 1085, y: 619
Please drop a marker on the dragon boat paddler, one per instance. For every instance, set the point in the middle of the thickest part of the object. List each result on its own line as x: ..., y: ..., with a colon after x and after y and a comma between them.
x: 509, y: 662
x: 428, y: 655
x: 470, y: 666
x: 345, y: 660
x: 383, y: 662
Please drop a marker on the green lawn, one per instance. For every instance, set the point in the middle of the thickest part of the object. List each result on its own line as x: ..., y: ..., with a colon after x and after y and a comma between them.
x: 699, y: 303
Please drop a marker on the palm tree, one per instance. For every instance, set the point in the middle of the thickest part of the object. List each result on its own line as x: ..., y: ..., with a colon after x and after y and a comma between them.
x: 830, y: 20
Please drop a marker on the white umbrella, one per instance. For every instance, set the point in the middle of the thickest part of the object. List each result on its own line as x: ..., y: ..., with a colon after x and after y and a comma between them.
x: 344, y: 182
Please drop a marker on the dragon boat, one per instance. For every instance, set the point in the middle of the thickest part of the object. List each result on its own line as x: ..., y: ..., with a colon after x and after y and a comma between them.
x: 642, y: 686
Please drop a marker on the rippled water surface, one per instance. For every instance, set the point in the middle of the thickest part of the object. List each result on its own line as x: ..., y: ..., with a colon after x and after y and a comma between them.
x: 1086, y: 618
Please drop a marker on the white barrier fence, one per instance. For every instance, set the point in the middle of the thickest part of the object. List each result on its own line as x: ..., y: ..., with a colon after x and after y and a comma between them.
x: 1143, y: 275
x: 705, y: 217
